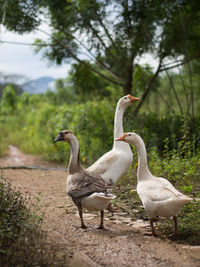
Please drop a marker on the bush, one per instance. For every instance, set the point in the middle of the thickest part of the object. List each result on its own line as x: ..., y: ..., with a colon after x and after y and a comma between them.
x: 36, y: 122
x: 9, y: 100
x: 37, y: 125
x: 22, y: 242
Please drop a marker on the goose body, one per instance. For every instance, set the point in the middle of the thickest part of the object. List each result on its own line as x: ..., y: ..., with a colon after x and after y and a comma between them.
x: 159, y: 197
x: 112, y: 165
x: 87, y: 190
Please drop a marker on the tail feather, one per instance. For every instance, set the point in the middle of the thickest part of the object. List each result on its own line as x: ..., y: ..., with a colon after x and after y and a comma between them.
x: 182, y: 201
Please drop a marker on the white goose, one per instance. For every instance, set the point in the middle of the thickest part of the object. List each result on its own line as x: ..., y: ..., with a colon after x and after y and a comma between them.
x: 87, y: 190
x: 112, y: 165
x: 158, y: 195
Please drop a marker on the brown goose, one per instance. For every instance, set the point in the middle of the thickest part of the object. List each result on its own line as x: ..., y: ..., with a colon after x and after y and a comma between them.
x: 87, y: 190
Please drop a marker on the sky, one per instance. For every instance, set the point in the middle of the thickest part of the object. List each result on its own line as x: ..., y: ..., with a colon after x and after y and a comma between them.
x: 21, y: 60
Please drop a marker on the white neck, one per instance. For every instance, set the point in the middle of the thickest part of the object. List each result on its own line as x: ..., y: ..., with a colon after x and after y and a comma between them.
x: 118, y: 128
x: 74, y: 162
x: 143, y: 170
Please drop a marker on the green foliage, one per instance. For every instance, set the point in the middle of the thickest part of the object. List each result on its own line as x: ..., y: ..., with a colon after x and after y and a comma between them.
x: 188, y: 225
x: 38, y: 118
x: 86, y: 83
x: 112, y: 34
x: 9, y: 100
x: 181, y: 35
x: 23, y: 19
x: 141, y: 76
x: 22, y: 242
x: 37, y: 124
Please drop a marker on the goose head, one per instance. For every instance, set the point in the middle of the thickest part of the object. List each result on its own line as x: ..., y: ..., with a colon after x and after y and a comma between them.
x: 127, y: 100
x: 130, y: 138
x: 65, y: 135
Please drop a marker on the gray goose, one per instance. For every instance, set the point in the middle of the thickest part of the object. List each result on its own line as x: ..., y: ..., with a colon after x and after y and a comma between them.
x: 87, y: 190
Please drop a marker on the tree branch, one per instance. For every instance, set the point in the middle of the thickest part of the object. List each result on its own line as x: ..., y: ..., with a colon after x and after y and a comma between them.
x: 90, y: 67
x: 189, y: 68
x: 100, y: 62
x: 106, y: 31
x: 163, y: 99
x: 185, y: 90
x: 179, y: 64
x: 174, y: 90
x: 148, y: 87
x: 103, y: 44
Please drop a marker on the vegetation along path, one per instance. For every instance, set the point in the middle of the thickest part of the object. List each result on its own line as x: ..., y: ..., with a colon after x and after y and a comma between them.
x: 123, y: 243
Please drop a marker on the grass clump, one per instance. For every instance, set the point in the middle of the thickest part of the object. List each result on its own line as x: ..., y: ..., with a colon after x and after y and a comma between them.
x: 22, y: 242
x: 188, y: 225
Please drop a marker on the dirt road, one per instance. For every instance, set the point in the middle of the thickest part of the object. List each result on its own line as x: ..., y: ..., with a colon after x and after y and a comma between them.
x: 121, y: 244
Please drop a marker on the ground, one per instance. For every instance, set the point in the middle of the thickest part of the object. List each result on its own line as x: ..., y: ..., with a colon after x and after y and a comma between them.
x: 123, y: 243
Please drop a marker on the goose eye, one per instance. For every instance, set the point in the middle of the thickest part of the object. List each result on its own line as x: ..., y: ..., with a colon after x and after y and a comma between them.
x: 129, y: 134
x: 125, y: 97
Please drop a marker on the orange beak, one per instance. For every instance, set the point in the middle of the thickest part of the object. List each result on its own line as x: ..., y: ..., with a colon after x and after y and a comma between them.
x: 133, y: 99
x: 121, y: 138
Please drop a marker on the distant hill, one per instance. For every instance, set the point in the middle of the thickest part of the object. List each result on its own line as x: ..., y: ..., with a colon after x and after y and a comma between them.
x: 39, y: 86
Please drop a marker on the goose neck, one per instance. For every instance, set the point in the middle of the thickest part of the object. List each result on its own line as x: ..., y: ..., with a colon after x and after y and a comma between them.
x: 74, y: 162
x: 118, y: 128
x: 118, y: 121
x: 143, y: 170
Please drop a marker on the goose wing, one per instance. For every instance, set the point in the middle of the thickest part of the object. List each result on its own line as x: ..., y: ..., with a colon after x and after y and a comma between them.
x: 159, y: 189
x: 84, y: 184
x: 102, y: 164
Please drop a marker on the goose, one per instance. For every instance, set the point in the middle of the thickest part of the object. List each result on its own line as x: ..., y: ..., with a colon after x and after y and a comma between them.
x: 112, y: 165
x: 87, y: 190
x: 159, y: 197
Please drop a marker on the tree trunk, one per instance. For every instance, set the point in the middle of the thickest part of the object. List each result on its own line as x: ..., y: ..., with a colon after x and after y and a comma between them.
x: 127, y: 88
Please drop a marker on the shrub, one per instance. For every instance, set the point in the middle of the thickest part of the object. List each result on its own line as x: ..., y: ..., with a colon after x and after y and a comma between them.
x: 36, y: 122
x: 22, y: 242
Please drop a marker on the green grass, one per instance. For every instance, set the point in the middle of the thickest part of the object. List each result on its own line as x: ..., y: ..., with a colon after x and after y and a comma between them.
x: 188, y: 225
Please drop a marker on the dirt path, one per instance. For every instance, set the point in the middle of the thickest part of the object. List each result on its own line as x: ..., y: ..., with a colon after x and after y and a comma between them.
x: 122, y: 244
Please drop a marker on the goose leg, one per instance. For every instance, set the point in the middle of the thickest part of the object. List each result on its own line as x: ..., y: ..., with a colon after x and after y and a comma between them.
x: 152, y: 227
x: 175, y: 225
x: 101, y: 223
x: 110, y: 208
x: 81, y: 217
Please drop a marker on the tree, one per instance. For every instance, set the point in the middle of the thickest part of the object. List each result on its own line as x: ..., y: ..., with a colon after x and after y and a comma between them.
x: 87, y: 83
x: 113, y: 34
x: 10, y: 79
x: 9, y: 100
